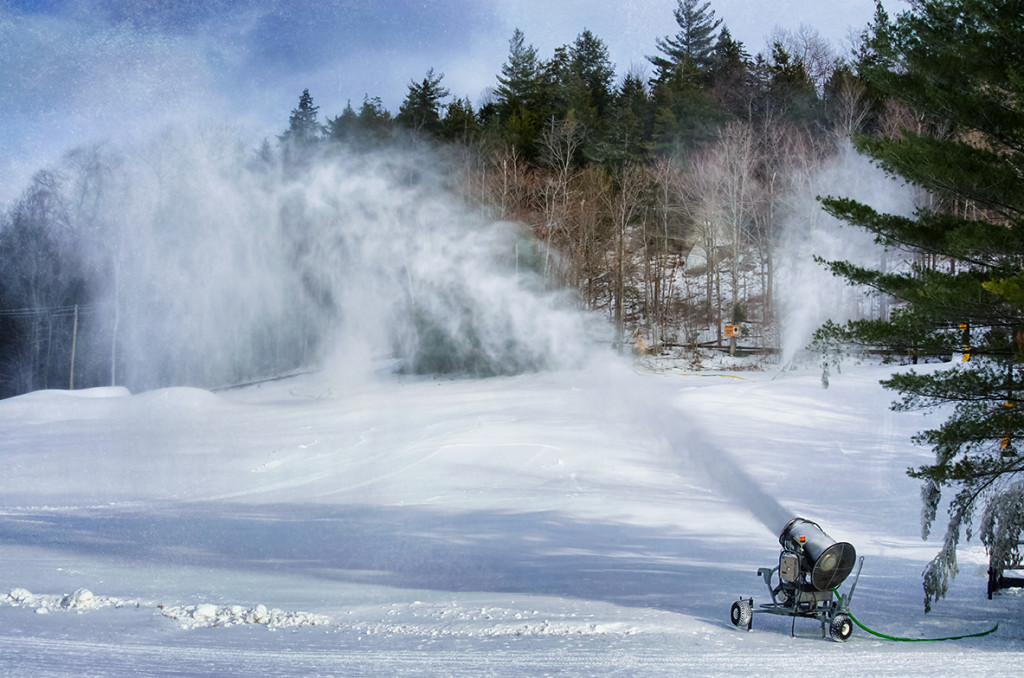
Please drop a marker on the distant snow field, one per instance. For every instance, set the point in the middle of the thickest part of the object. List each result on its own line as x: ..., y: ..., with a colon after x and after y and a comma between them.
x: 597, y: 521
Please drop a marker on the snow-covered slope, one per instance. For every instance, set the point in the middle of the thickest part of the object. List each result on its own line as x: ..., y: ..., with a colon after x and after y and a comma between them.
x: 588, y: 522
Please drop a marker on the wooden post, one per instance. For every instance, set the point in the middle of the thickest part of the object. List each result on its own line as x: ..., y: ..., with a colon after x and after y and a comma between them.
x: 74, y: 343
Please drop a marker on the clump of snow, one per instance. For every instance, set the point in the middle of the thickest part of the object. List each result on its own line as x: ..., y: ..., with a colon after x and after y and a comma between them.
x: 82, y: 599
x: 18, y: 597
x: 79, y: 600
x: 208, y: 614
x: 188, y: 616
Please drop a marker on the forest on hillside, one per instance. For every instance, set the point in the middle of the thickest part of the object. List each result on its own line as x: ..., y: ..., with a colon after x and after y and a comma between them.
x: 664, y: 200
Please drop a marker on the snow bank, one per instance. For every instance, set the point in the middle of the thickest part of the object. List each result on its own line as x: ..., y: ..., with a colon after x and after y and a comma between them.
x: 102, y: 403
x: 178, y: 399
x: 57, y: 405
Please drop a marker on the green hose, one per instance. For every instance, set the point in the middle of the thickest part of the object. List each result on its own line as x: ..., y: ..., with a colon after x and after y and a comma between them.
x: 914, y: 640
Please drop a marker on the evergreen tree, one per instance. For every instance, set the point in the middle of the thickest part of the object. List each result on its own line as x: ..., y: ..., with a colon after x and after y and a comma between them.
x: 728, y: 59
x: 375, y: 122
x: 790, y: 90
x: 578, y: 85
x: 518, y: 82
x: 590, y: 63
x: 344, y: 127
x: 459, y: 123
x: 631, y: 122
x: 421, y: 110
x: 957, y: 65
x: 686, y: 113
x: 560, y: 89
x: 693, y: 45
x: 729, y: 76
x: 518, y: 96
x: 303, y: 127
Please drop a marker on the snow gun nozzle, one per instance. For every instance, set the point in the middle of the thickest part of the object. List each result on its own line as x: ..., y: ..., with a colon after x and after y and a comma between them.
x: 827, y: 561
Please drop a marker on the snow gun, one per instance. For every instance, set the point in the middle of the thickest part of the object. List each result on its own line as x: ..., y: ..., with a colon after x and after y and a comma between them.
x: 812, y: 565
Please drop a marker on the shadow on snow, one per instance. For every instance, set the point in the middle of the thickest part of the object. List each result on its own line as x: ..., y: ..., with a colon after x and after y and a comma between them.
x: 536, y: 553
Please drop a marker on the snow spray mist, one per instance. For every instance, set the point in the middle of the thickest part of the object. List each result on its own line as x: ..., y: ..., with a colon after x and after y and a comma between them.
x: 648, y: 404
x: 213, y: 264
x: 809, y: 294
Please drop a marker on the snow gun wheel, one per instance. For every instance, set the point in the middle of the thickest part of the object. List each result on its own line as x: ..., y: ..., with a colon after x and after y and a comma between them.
x: 741, y: 613
x: 841, y: 628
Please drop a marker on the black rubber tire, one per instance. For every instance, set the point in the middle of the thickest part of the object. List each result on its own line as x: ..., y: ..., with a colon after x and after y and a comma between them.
x: 841, y: 628
x: 740, y: 613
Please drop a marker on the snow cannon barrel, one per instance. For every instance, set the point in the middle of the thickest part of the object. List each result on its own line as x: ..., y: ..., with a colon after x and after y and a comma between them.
x: 829, y: 562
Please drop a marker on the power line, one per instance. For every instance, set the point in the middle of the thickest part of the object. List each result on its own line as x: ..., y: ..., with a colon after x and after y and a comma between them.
x: 50, y: 311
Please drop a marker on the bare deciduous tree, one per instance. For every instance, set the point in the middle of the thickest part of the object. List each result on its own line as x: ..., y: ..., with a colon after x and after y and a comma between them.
x: 849, y: 108
x: 670, y: 238
x: 627, y: 205
x: 728, y: 193
x: 560, y: 143
x: 807, y: 46
x: 508, y: 182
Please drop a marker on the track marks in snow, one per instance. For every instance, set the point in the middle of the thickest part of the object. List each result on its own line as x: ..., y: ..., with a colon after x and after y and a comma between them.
x: 455, y: 620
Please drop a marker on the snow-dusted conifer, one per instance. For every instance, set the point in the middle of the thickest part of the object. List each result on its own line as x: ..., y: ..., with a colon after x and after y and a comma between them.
x: 956, y: 66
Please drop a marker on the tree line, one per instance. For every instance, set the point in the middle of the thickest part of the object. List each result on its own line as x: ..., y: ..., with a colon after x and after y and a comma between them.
x: 660, y: 196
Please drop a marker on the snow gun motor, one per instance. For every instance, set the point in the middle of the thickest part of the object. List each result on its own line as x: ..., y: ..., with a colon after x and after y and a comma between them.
x: 812, y: 565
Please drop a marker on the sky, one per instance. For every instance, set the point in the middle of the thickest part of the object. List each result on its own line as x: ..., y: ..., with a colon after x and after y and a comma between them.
x: 80, y: 71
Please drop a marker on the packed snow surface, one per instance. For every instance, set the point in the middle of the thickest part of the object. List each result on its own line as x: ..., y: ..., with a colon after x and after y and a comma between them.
x: 599, y: 521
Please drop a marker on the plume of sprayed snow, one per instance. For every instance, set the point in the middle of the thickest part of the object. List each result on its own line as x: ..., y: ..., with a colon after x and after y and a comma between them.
x: 808, y: 293
x: 694, y: 449
x: 219, y: 266
x: 734, y: 482
x: 691, y: 451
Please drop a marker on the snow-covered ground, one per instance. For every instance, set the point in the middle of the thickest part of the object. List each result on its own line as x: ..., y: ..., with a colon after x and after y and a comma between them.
x: 598, y: 521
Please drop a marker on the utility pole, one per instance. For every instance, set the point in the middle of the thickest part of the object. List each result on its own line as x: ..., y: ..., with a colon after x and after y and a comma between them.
x: 74, y: 344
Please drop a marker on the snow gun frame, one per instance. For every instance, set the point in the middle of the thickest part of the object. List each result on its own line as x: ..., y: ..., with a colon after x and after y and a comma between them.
x: 811, y: 567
